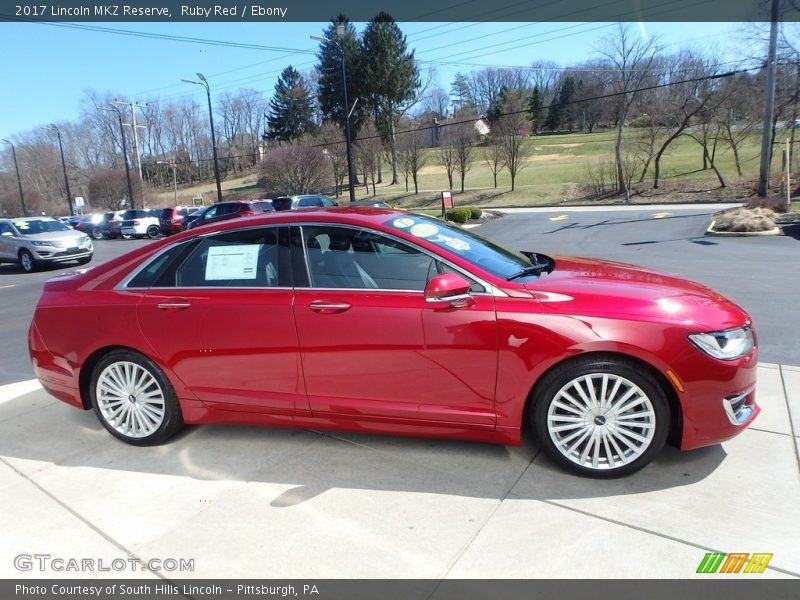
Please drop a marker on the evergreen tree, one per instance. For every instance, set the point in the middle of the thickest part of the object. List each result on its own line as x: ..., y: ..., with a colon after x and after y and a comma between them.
x: 565, y: 98
x: 460, y: 90
x: 290, y: 109
x: 390, y: 75
x: 536, y: 109
x: 329, y: 67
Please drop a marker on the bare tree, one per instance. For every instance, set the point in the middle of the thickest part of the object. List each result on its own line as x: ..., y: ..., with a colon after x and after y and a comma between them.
x: 464, y: 137
x: 411, y: 147
x: 493, y: 153
x: 632, y: 57
x: 368, y: 152
x: 447, y: 153
x: 515, y: 146
x: 295, y: 168
x: 108, y: 189
x: 334, y: 145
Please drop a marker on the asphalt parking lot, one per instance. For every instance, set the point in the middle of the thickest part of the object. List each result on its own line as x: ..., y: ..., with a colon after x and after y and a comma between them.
x: 275, y: 503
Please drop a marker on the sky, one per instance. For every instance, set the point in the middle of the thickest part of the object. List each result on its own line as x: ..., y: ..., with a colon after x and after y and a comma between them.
x: 47, y: 68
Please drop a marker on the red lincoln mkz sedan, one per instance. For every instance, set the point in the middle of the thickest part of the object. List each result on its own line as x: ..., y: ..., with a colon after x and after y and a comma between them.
x: 367, y: 319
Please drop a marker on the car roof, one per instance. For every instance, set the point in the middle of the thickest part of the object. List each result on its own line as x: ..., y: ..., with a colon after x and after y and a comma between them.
x: 26, y: 219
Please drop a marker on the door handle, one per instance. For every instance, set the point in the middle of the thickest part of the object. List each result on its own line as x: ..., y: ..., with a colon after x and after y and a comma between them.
x: 173, y: 305
x: 328, y: 308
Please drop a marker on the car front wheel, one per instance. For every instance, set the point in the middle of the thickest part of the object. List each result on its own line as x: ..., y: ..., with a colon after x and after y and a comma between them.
x: 601, y: 416
x: 97, y: 234
x: 152, y: 231
x: 133, y: 399
x: 26, y: 261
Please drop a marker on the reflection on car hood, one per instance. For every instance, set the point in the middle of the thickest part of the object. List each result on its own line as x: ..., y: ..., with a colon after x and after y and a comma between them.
x: 64, y: 237
x: 604, y: 288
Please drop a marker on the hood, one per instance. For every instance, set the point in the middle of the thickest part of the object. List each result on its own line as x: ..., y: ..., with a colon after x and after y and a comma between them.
x: 604, y: 288
x: 65, y: 238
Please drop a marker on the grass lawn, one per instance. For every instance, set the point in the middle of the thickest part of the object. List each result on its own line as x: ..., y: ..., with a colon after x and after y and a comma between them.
x: 556, y: 172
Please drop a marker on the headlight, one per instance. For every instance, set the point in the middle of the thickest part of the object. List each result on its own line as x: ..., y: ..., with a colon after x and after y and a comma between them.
x: 37, y: 243
x: 83, y: 239
x: 725, y: 345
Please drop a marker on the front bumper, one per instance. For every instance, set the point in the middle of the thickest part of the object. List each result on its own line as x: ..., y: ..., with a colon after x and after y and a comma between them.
x: 719, y: 400
x: 52, y: 254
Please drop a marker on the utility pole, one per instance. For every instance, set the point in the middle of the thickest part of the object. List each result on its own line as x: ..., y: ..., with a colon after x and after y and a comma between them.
x: 769, y: 109
x: 124, y: 153
x: 19, y: 181
x: 134, y: 105
x: 64, y: 166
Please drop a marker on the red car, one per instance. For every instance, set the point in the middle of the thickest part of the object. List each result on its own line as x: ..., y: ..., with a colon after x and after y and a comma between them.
x: 222, y: 211
x: 374, y: 320
x: 171, y: 219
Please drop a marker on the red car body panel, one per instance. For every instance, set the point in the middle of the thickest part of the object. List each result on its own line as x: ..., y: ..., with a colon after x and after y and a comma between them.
x: 391, y: 362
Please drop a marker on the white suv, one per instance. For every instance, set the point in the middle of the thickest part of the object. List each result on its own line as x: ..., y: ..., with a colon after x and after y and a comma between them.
x: 139, y: 223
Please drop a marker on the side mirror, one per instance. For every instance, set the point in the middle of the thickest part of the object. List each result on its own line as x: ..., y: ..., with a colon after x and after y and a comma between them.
x: 450, y: 288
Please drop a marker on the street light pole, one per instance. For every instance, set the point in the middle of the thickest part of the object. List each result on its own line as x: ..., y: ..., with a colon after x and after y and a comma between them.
x: 347, y: 138
x: 204, y: 82
x: 124, y: 152
x: 19, y: 181
x: 64, y: 166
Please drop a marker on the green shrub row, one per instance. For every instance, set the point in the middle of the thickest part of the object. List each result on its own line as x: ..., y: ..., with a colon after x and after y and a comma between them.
x: 462, y: 214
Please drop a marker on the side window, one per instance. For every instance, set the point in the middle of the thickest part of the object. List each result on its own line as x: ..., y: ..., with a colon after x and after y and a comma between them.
x: 6, y: 228
x: 210, y: 213
x: 306, y: 202
x: 237, y: 259
x: 340, y: 257
x: 328, y: 202
x: 153, y: 275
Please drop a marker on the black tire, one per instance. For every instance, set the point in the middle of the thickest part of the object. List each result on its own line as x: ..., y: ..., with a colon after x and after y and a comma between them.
x: 26, y: 261
x: 84, y: 260
x: 645, y: 411
x: 152, y: 231
x: 165, y: 399
x: 97, y: 234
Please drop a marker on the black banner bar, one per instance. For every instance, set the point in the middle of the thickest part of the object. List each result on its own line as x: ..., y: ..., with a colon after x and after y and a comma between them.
x: 402, y: 11
x: 735, y: 588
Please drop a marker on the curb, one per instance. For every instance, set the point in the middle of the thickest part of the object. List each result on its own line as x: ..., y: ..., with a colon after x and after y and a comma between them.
x: 712, y: 231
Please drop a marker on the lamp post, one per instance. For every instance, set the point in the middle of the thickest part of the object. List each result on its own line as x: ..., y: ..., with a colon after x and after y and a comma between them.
x: 204, y: 82
x: 124, y: 151
x: 19, y: 181
x: 340, y: 32
x: 64, y: 166
x: 171, y: 163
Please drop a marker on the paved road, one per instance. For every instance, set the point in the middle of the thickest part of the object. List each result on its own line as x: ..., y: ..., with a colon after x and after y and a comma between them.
x: 762, y: 274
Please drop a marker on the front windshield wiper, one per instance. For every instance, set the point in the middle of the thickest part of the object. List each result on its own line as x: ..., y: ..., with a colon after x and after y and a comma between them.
x: 536, y: 268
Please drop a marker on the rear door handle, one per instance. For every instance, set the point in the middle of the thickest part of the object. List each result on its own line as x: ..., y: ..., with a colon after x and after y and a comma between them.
x: 173, y: 305
x: 328, y: 308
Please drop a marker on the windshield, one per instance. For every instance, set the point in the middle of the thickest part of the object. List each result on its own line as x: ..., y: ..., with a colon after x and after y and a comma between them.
x: 487, y: 254
x: 39, y: 226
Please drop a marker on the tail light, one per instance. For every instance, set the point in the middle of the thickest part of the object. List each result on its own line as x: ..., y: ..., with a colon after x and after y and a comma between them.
x: 135, y: 223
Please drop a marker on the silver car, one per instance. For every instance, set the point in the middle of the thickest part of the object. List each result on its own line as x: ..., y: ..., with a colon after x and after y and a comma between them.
x: 34, y: 241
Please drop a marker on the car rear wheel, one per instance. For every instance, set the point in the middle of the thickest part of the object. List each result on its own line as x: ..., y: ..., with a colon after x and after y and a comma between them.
x: 601, y: 416
x: 152, y: 231
x: 133, y: 399
x: 26, y: 261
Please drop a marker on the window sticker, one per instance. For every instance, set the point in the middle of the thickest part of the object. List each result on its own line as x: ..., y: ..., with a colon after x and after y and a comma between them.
x: 452, y: 242
x: 21, y: 224
x: 403, y: 223
x: 424, y: 230
x: 232, y: 262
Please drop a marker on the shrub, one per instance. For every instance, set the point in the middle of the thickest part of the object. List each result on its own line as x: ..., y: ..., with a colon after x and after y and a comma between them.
x: 745, y: 219
x: 460, y: 214
x: 475, y: 212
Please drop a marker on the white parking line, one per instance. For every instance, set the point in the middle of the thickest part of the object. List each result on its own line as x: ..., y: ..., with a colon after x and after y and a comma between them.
x: 11, y: 391
x: 2, y: 287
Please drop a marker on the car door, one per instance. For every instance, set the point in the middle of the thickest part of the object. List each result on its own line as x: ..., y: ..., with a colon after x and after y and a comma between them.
x: 8, y: 244
x: 223, y: 319
x: 373, y: 348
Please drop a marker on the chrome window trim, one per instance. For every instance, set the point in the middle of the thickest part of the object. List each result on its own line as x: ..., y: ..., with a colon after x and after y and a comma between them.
x: 491, y: 290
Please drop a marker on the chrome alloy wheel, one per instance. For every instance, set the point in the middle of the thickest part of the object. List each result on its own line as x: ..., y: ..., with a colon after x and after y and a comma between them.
x: 130, y: 399
x: 601, y: 421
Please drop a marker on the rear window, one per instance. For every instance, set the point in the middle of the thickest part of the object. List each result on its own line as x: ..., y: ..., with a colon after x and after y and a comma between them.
x: 282, y: 203
x: 136, y: 214
x: 262, y: 206
x: 305, y: 202
x: 166, y: 213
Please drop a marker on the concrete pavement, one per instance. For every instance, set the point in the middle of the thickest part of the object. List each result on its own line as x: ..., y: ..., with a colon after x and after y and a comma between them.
x: 275, y: 503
